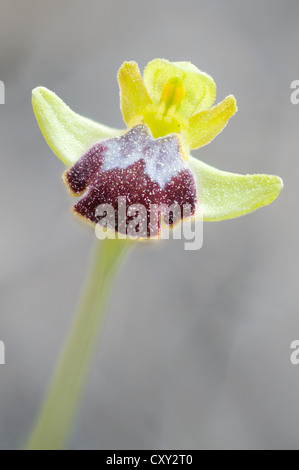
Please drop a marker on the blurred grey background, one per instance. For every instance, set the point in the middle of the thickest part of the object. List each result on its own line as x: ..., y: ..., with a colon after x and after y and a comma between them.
x: 196, y: 347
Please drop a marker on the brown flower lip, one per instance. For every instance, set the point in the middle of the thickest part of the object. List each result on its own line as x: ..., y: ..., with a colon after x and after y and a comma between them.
x: 147, y: 171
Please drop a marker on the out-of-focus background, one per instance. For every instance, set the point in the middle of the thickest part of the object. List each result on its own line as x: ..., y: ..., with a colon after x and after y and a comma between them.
x: 196, y: 347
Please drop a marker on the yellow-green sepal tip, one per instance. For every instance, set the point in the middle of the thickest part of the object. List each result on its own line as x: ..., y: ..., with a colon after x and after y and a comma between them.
x: 224, y: 195
x: 68, y: 134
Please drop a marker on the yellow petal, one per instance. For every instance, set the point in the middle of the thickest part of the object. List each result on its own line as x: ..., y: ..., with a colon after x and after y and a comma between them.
x: 223, y: 195
x: 134, y: 97
x: 204, y: 126
x: 68, y: 134
x: 200, y: 88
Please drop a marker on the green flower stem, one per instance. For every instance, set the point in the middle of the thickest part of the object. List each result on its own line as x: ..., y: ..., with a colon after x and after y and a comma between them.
x: 59, y: 409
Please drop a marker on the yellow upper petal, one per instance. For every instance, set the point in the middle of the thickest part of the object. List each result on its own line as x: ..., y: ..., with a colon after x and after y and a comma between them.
x: 200, y: 88
x: 204, y: 126
x: 134, y: 97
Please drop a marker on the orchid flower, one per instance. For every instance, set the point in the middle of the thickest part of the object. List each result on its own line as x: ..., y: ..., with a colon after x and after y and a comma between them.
x: 168, y: 112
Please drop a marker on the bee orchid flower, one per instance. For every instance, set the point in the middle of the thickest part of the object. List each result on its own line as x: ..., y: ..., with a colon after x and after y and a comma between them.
x: 168, y: 112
